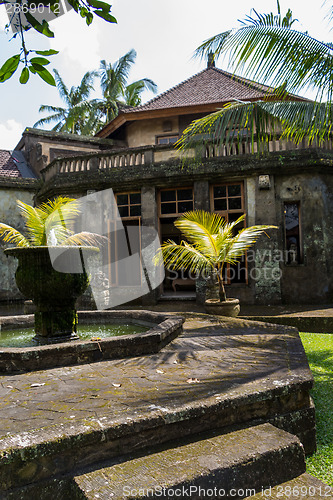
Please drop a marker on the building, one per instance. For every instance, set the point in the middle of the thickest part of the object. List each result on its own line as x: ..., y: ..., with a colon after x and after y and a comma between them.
x: 289, y: 186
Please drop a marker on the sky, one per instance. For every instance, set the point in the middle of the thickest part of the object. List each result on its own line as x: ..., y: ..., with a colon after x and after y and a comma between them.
x: 164, y: 34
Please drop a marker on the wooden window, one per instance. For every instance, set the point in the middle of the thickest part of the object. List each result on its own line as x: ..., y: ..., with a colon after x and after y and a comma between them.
x: 292, y: 233
x: 228, y: 200
x: 167, y: 139
x: 129, y: 204
x: 174, y: 202
x: 125, y: 240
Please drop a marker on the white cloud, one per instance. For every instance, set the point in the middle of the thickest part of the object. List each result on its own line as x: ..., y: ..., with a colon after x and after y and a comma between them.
x: 10, y: 133
x: 78, y: 45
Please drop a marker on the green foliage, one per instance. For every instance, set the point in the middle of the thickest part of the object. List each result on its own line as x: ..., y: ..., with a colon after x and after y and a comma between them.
x: 210, y: 243
x: 51, y: 221
x: 87, y: 9
x: 267, y: 48
x: 319, y: 350
x: 74, y: 117
x: 116, y: 91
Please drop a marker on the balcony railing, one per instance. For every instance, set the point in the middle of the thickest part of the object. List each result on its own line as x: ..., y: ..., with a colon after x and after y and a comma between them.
x: 146, y: 155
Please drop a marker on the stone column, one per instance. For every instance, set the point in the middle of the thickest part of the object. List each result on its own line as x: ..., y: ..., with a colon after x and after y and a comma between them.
x: 149, y: 220
x: 266, y: 274
x: 201, y: 202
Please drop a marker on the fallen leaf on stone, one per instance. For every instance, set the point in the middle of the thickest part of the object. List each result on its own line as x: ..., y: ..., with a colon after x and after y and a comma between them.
x: 160, y: 371
x: 116, y: 385
x: 37, y: 385
x: 193, y: 381
x: 9, y: 387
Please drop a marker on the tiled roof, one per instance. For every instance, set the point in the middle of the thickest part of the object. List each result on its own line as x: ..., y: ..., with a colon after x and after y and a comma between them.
x: 8, y: 167
x: 13, y: 165
x: 212, y: 85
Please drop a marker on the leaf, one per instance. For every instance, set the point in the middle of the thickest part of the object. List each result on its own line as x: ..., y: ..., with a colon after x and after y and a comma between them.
x: 193, y: 381
x: 32, y: 70
x: 42, y: 28
x: 10, y: 65
x: 24, y: 75
x: 50, y: 52
x: 97, y: 4
x: 104, y: 15
x: 44, y: 74
x: 40, y: 60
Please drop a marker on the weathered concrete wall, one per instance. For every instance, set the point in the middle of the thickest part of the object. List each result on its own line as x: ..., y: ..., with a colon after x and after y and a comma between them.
x: 144, y: 132
x: 311, y: 280
x: 9, y: 214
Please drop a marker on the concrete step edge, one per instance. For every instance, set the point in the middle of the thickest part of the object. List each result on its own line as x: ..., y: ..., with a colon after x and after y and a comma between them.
x: 253, y: 457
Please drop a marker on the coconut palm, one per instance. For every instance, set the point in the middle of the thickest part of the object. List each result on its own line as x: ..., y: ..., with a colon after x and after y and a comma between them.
x: 114, y: 86
x: 210, y: 243
x: 133, y: 91
x: 267, y: 48
x: 49, y: 224
x: 74, y: 116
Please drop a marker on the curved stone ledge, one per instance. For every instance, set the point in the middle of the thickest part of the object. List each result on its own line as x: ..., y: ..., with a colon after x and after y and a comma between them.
x: 164, y: 328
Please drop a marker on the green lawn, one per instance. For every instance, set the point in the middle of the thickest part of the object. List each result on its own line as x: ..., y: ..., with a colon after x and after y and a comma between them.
x: 319, y: 350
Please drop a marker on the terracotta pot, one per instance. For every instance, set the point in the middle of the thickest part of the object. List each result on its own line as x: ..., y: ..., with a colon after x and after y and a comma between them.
x: 54, y: 293
x: 229, y: 307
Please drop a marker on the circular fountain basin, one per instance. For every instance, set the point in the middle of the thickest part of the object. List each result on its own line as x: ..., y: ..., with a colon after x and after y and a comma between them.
x: 155, y: 331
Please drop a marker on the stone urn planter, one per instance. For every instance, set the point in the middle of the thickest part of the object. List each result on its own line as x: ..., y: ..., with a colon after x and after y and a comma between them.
x: 228, y: 307
x: 54, y: 293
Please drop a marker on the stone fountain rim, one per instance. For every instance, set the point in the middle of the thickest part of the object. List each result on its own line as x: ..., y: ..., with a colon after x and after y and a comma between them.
x: 165, y: 327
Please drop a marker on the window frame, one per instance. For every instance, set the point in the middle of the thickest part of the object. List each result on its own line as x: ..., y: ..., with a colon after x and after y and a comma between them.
x: 177, y: 213
x: 225, y: 214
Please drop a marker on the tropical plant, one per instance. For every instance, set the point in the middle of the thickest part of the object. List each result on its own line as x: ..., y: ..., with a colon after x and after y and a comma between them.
x: 210, y: 243
x: 22, y: 18
x: 266, y: 47
x: 50, y: 223
x: 116, y: 91
x: 74, y: 117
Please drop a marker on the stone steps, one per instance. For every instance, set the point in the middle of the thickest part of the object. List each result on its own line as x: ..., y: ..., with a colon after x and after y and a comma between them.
x: 238, y: 462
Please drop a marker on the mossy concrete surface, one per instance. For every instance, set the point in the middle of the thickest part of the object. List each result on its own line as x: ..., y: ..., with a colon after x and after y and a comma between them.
x: 243, y: 460
x: 220, y: 373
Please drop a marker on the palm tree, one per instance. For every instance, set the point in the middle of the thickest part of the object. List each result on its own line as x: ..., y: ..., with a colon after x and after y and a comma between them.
x: 266, y: 47
x: 74, y: 116
x: 209, y: 244
x: 50, y: 223
x: 114, y: 85
x: 133, y: 91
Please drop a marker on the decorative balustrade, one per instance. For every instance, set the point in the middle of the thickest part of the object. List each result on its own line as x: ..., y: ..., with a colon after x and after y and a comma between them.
x: 146, y: 155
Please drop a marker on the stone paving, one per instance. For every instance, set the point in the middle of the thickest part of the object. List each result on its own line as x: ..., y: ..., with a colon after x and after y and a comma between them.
x: 206, y: 362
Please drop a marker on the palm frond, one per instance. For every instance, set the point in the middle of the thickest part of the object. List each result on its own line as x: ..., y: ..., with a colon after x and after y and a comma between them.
x: 184, y: 256
x: 261, y: 121
x: 11, y: 235
x: 199, y: 227
x: 34, y: 223
x: 84, y: 238
x: 244, y: 240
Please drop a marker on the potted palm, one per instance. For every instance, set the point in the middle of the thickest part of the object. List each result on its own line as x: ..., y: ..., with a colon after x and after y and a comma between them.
x: 49, y: 243
x: 210, y: 243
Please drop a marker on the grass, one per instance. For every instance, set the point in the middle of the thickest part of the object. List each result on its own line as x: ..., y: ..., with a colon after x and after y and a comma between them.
x: 319, y: 350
